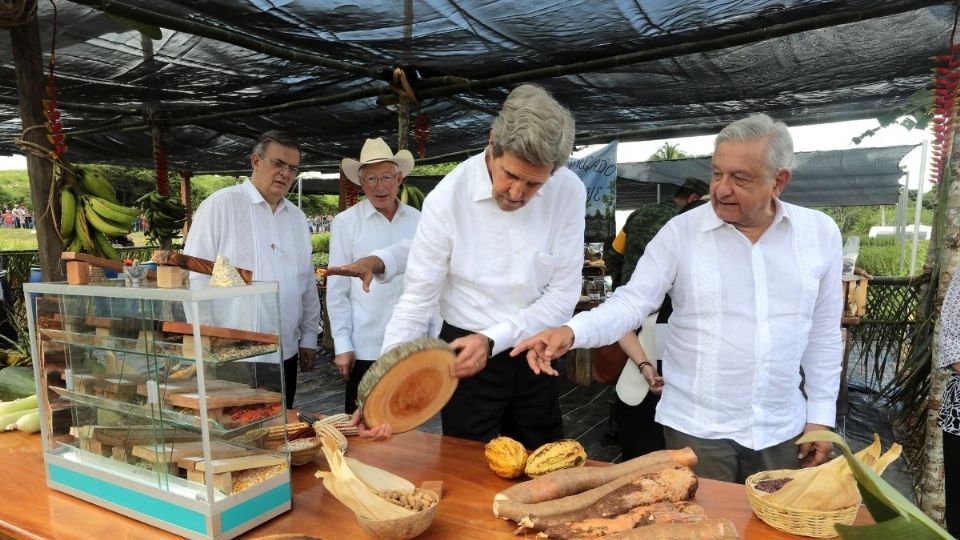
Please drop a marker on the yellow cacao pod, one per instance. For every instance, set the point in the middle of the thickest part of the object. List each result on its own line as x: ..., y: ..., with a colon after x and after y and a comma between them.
x: 505, y: 456
x: 562, y: 454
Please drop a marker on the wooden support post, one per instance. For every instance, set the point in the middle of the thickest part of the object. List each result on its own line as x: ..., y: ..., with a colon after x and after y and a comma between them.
x: 25, y: 41
x: 187, y: 203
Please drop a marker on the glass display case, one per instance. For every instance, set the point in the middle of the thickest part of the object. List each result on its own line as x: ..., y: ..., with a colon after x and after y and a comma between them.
x: 156, y: 403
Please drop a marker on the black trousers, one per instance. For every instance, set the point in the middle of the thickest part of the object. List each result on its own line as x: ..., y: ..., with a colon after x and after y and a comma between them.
x: 639, y: 433
x: 951, y: 481
x: 504, y: 398
x: 360, y: 368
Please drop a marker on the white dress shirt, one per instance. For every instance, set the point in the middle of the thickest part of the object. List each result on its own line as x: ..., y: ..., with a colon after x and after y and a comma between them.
x: 745, y: 318
x: 238, y: 223
x: 359, y: 319
x: 507, y: 275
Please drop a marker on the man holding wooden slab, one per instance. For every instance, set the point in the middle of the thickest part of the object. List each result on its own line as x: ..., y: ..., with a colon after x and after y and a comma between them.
x: 255, y: 227
x: 499, y: 252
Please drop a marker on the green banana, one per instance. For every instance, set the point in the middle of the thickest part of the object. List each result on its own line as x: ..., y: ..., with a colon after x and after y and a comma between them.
x: 94, y: 183
x: 104, y: 246
x: 68, y: 209
x: 75, y: 244
x: 415, y: 197
x: 103, y: 225
x: 107, y: 210
x: 83, y: 233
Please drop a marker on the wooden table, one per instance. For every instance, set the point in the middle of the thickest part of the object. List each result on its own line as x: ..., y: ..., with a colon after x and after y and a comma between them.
x: 31, y: 510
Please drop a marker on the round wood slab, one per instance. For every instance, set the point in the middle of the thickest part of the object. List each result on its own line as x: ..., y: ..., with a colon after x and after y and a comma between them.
x: 408, y: 385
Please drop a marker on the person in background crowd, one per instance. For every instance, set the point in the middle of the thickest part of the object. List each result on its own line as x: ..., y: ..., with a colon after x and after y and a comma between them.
x: 358, y: 319
x: 754, y: 284
x: 638, y: 430
x: 949, y: 416
x: 254, y: 226
x: 499, y: 251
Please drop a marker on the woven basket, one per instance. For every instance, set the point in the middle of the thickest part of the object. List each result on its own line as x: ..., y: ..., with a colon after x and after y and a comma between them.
x: 803, y: 522
x: 304, y: 450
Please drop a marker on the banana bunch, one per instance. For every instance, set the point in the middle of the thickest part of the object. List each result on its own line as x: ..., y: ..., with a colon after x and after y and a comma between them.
x: 164, y: 215
x: 412, y: 195
x: 91, y: 214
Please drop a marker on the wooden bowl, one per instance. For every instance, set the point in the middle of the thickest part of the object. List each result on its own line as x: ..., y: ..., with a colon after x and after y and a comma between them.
x: 302, y: 451
x: 403, y: 528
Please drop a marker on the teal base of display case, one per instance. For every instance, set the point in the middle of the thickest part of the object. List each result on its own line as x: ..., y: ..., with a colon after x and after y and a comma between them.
x: 186, y: 520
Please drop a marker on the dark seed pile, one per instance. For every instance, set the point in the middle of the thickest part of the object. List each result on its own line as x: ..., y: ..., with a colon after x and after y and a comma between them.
x: 770, y: 486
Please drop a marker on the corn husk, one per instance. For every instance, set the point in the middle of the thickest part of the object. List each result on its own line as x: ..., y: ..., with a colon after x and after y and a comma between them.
x: 378, y: 479
x: 830, y: 486
x: 343, y: 484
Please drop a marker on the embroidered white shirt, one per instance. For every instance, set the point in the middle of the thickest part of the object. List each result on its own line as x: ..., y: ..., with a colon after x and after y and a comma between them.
x: 237, y: 222
x: 507, y: 275
x: 359, y: 319
x: 745, y: 318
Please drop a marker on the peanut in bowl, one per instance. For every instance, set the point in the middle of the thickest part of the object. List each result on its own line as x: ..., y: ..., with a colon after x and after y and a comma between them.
x: 423, y: 501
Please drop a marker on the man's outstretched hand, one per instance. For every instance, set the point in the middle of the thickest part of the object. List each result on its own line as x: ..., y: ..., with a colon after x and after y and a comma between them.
x: 364, y: 268
x: 545, y: 347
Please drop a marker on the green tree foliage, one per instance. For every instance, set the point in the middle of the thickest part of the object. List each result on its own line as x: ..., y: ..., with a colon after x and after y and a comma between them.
x: 857, y: 220
x: 14, y: 188
x: 440, y: 169
x: 667, y: 152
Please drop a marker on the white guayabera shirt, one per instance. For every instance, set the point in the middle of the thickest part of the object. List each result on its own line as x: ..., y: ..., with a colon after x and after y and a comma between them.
x: 237, y: 222
x: 359, y: 319
x: 507, y: 275
x: 746, y: 317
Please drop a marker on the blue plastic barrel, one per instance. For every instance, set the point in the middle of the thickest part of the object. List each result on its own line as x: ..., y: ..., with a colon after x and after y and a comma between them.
x: 36, y: 275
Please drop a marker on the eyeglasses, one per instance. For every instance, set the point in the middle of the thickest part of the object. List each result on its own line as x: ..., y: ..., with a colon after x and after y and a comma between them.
x: 387, y: 179
x: 282, y: 165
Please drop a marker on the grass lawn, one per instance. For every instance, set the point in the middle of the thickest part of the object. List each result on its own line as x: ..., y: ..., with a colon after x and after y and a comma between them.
x: 26, y: 239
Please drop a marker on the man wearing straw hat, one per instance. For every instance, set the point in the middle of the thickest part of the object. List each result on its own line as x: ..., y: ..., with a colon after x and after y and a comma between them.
x: 499, y: 251
x: 358, y: 319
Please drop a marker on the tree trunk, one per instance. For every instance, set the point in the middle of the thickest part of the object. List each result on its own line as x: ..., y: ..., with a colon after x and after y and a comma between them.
x: 30, y: 90
x: 944, y: 252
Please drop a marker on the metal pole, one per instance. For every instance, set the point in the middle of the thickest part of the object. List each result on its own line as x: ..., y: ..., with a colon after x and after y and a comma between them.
x: 916, y: 214
x: 300, y: 191
x: 900, y: 221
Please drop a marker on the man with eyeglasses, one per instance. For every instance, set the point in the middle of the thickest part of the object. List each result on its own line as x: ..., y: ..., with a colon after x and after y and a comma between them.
x: 499, y: 252
x: 358, y: 319
x: 255, y: 227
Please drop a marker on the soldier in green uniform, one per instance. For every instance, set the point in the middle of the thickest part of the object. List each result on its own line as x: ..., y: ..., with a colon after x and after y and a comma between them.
x: 639, y: 433
x: 622, y: 255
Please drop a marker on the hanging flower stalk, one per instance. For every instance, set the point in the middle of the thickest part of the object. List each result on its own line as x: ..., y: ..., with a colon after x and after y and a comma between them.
x: 946, y: 78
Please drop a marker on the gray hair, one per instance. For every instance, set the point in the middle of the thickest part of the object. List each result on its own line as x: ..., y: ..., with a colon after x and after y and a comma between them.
x: 779, y: 152
x: 278, y: 136
x: 534, y: 127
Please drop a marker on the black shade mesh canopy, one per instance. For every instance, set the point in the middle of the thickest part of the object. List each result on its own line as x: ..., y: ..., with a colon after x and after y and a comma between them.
x: 229, y: 70
x: 860, y: 176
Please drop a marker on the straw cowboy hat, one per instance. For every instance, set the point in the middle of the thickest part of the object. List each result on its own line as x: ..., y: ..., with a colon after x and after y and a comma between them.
x: 376, y: 151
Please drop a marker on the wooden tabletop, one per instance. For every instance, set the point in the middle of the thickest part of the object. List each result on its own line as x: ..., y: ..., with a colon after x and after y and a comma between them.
x: 31, y: 510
